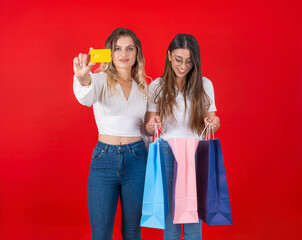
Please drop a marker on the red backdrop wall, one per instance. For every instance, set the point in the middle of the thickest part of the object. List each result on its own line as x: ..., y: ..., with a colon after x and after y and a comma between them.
x: 251, y: 50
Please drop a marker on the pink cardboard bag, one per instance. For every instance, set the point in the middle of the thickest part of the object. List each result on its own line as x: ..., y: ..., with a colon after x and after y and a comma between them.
x: 184, y: 199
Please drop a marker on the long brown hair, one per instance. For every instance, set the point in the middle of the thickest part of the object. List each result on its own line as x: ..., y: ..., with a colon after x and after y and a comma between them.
x: 166, y: 94
x: 138, y: 69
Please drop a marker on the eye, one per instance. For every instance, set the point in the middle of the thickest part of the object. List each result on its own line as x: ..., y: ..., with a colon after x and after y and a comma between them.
x: 130, y: 49
x: 177, y: 60
x: 189, y: 61
x: 117, y: 49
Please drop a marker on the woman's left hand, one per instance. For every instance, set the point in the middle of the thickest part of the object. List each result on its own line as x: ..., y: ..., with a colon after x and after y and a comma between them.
x: 213, y: 121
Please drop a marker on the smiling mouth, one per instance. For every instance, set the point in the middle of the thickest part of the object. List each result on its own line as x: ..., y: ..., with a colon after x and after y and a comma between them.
x: 181, y: 70
x: 124, y: 60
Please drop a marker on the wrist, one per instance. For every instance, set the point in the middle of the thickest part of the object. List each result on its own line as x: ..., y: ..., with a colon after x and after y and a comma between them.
x: 84, y: 81
x: 149, y: 130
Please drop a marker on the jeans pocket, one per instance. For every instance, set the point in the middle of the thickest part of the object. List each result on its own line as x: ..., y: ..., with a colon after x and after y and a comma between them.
x: 97, y: 153
x: 140, y: 152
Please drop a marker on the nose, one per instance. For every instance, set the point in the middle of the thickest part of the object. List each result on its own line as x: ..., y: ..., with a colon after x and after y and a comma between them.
x: 124, y: 52
x: 183, y: 65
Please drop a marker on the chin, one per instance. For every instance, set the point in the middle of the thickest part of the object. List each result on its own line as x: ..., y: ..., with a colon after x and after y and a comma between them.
x: 123, y: 66
x: 181, y: 76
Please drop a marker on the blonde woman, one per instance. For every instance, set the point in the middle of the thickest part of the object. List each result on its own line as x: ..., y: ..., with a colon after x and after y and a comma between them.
x: 118, y: 95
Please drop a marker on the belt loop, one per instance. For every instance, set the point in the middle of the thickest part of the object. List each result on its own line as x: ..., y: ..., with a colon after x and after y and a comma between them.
x: 129, y: 148
x: 106, y: 148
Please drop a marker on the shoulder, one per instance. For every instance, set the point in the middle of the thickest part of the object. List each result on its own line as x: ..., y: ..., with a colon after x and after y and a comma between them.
x: 207, y: 85
x: 155, y: 83
x: 207, y: 82
x: 153, y: 86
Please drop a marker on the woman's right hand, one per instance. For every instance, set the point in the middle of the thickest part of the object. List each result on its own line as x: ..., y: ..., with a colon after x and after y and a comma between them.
x: 82, y: 67
x: 150, y: 125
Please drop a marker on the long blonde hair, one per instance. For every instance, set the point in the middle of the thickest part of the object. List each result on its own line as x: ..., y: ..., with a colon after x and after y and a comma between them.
x: 138, y: 69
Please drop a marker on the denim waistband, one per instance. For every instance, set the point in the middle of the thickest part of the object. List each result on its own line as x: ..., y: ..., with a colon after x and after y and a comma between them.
x: 120, y: 148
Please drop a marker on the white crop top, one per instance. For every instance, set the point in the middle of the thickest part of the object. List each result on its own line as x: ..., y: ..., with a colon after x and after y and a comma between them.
x: 114, y: 115
x: 180, y: 128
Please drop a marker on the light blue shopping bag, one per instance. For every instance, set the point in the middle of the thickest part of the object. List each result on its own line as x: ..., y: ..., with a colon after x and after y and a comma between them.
x: 155, y: 201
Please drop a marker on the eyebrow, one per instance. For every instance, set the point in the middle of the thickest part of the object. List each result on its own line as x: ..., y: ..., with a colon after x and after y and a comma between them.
x: 182, y: 57
x: 121, y: 46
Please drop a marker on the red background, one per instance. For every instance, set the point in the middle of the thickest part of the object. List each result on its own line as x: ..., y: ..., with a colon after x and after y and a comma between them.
x: 251, y: 50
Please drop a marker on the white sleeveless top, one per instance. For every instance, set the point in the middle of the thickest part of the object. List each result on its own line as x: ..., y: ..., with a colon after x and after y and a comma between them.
x: 180, y: 128
x: 114, y: 115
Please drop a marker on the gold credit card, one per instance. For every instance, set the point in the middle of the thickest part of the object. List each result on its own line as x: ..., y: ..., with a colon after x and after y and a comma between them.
x: 100, y: 55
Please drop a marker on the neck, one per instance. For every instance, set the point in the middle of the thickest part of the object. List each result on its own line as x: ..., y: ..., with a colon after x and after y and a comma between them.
x: 124, y: 74
x: 180, y: 83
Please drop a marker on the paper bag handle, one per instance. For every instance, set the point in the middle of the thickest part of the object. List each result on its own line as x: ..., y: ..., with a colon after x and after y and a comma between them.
x: 208, y: 128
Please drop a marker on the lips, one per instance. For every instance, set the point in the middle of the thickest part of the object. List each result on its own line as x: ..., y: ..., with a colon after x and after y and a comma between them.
x: 180, y: 71
x: 124, y: 60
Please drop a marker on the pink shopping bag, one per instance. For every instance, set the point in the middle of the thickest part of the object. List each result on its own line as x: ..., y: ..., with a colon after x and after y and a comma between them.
x: 184, y: 199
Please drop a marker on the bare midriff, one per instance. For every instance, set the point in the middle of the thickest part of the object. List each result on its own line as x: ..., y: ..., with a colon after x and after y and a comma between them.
x: 117, y: 140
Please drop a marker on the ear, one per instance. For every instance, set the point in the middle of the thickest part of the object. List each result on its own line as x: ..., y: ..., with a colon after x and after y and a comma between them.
x: 169, y: 56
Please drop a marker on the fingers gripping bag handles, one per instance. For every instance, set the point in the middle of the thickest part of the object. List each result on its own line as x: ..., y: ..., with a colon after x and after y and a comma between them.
x: 212, y: 190
x: 155, y: 199
x: 184, y: 200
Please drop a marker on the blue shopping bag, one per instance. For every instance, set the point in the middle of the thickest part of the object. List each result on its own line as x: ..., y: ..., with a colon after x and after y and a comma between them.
x: 155, y: 200
x: 212, y: 190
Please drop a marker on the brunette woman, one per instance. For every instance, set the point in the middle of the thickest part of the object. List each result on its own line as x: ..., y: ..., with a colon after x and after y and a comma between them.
x: 182, y: 101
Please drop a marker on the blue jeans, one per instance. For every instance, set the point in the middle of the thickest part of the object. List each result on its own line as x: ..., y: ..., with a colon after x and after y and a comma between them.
x: 116, y: 171
x: 192, y: 231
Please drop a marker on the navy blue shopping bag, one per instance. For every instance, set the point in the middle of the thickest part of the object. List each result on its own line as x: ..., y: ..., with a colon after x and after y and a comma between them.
x: 155, y: 200
x: 212, y: 190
